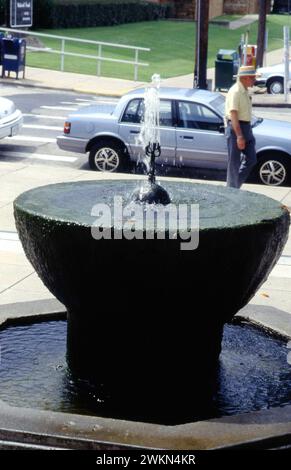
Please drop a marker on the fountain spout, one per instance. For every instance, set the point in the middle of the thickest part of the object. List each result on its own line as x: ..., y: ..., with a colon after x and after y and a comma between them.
x: 153, y: 151
x: 151, y: 192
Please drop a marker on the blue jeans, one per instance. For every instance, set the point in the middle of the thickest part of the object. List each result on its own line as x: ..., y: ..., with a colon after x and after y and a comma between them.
x: 240, y: 163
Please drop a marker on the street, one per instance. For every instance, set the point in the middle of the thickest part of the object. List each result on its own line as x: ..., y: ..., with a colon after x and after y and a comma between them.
x: 45, y: 112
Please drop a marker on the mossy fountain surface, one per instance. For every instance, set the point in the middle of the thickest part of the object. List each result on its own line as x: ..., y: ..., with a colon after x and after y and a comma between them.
x: 145, y: 318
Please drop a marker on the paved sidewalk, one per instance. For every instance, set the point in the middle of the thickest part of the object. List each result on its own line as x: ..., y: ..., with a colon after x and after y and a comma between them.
x: 243, y: 21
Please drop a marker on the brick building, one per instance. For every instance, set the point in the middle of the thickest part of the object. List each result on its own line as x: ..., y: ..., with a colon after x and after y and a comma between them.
x: 185, y: 9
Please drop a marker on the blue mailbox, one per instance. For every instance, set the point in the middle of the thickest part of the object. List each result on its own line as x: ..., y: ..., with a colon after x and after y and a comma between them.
x: 13, y: 56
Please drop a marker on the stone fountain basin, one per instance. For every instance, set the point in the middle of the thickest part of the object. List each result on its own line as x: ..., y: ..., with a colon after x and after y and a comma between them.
x: 147, y: 301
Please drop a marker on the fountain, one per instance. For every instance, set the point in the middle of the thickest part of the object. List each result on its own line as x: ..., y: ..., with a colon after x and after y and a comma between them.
x: 146, y: 306
x: 151, y: 193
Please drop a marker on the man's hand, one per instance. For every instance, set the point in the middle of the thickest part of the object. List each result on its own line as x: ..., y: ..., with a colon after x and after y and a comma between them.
x: 240, y: 140
x: 241, y: 143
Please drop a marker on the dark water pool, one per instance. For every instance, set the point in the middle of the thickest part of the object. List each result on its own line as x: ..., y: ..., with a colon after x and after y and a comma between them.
x: 253, y: 374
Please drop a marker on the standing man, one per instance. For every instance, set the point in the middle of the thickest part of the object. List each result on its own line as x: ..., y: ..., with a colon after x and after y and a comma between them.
x: 240, y: 139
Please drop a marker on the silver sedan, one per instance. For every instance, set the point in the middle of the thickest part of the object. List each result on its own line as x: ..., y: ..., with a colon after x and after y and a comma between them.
x: 191, y: 130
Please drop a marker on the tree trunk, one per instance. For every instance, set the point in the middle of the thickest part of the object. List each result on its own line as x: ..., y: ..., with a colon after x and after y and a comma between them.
x: 202, y: 21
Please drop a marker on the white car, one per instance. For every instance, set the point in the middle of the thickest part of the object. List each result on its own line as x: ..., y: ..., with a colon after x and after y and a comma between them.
x: 272, y: 77
x: 11, y: 119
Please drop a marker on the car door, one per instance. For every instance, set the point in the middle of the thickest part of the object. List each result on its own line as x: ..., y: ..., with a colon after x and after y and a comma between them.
x: 200, y: 136
x: 130, y: 125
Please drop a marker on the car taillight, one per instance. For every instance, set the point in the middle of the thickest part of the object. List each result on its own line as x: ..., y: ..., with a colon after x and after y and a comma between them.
x: 67, y: 127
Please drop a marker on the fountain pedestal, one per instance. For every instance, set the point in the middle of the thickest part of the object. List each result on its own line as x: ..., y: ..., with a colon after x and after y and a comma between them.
x: 145, y: 318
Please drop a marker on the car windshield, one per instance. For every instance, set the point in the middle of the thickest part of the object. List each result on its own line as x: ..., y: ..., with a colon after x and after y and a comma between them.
x: 219, y: 105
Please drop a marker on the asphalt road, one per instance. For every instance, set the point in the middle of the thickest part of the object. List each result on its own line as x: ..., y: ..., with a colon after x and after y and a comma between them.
x: 45, y: 112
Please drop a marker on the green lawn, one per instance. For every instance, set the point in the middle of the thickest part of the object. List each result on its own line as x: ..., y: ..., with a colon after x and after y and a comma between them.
x: 172, y: 45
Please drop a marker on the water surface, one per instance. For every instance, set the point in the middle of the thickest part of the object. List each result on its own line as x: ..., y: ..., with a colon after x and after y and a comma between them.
x: 253, y: 374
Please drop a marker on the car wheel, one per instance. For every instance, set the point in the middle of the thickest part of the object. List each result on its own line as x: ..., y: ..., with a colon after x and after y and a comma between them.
x: 107, y: 156
x: 273, y: 171
x: 275, y: 86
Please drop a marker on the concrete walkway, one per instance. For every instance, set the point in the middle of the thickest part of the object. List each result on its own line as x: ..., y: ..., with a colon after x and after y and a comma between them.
x: 243, y: 21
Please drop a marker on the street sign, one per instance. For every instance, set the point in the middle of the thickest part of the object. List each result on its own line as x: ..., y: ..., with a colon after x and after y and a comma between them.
x: 21, y: 13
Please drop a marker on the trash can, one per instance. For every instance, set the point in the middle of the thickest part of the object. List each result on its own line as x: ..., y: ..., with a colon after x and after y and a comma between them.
x: 13, y: 56
x: 226, y: 66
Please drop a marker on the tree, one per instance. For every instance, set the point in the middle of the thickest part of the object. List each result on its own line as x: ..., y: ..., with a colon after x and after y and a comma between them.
x: 202, y: 21
x: 263, y: 6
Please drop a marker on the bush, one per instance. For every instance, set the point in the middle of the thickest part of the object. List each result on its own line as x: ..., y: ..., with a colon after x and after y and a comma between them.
x: 89, y: 13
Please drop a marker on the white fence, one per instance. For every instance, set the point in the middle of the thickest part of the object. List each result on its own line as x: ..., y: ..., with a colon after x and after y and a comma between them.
x: 99, y: 45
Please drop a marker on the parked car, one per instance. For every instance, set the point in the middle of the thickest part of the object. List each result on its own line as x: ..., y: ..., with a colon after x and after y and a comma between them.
x: 10, y: 118
x: 191, y: 130
x: 272, y: 78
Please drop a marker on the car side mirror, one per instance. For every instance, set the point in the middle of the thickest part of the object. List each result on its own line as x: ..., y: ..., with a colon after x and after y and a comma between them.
x: 221, y: 129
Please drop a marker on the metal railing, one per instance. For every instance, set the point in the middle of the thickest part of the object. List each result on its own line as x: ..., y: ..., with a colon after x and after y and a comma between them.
x: 99, y: 58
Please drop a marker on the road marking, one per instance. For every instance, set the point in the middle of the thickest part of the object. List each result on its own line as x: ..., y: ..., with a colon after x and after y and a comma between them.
x: 40, y: 156
x: 27, y: 138
x: 79, y: 104
x: 103, y: 100
x: 107, y: 101
x: 94, y: 103
x: 45, y: 116
x: 62, y: 108
x: 37, y: 126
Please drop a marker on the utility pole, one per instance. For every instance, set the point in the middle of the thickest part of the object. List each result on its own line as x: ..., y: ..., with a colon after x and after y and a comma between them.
x: 201, y: 51
x: 263, y: 4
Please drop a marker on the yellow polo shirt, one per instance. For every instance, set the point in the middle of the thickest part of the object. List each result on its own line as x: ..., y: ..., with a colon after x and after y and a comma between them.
x: 238, y: 99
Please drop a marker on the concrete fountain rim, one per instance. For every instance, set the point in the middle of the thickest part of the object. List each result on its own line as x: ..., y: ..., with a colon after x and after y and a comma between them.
x: 240, y: 213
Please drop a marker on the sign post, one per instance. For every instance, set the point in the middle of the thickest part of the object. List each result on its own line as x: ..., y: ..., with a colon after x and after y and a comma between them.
x: 21, y: 13
x: 286, y: 62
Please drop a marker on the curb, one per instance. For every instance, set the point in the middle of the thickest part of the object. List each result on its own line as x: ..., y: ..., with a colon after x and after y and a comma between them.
x: 47, y: 87
x: 273, y: 105
x: 31, y: 311
x: 115, y: 94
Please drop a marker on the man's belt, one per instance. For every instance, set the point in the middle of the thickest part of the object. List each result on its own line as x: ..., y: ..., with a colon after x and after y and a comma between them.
x: 241, y: 122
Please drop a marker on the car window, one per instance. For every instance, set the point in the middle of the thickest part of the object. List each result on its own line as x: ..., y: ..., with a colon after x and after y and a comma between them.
x: 166, y: 113
x: 197, y: 116
x: 134, y: 112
